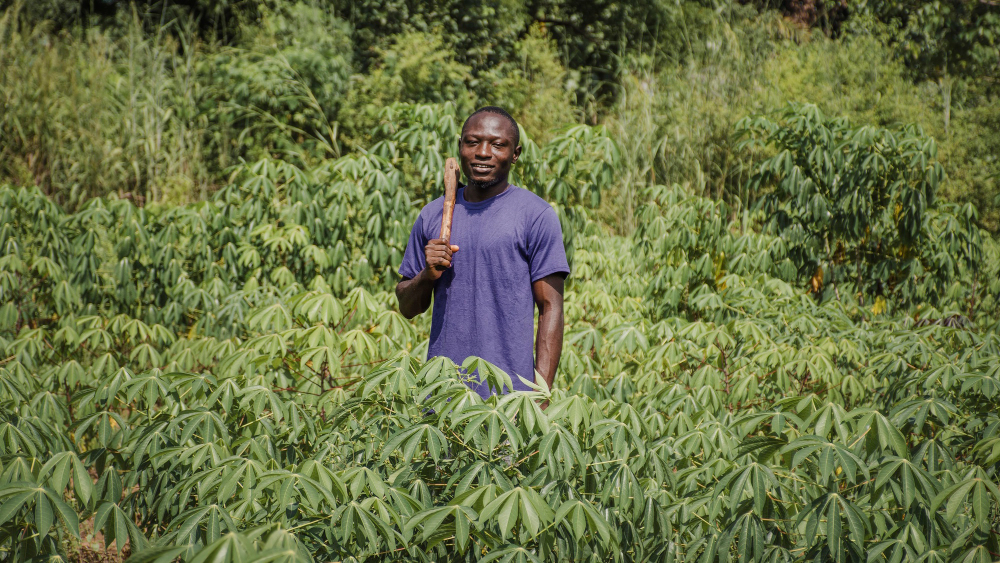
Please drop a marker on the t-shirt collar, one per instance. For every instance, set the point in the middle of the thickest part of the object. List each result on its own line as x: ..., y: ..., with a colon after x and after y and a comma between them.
x: 480, y: 204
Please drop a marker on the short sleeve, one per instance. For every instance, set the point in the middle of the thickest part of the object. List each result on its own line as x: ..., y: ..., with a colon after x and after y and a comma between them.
x: 546, y: 253
x: 413, y: 256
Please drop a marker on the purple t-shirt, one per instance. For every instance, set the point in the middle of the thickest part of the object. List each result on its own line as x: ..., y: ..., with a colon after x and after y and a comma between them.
x: 483, y: 304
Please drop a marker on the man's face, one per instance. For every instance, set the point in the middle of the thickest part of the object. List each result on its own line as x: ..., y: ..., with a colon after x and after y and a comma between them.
x: 487, y: 150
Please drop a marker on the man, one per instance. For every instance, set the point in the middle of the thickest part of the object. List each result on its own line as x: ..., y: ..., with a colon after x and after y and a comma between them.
x: 506, y: 257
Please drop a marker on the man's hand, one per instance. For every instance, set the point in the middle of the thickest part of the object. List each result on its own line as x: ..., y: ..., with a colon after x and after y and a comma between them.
x: 414, y: 295
x: 437, y: 256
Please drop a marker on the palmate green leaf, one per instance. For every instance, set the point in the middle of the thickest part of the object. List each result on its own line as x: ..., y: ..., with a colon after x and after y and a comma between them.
x: 108, y: 391
x: 393, y: 377
x: 357, y: 525
x: 108, y: 427
x: 202, y: 424
x: 320, y: 307
x: 13, y: 440
x: 560, y: 454
x: 361, y: 344
x: 524, y: 410
x: 363, y: 481
x: 481, y: 472
x: 283, y: 546
x: 510, y: 554
x: 439, y: 523
x: 203, y: 524
x: 62, y: 467
x: 118, y: 527
x: 486, y: 426
x: 978, y: 554
x: 831, y: 458
x: 257, y: 399
x: 908, y: 481
x: 232, y: 547
x: 476, y: 498
x: 745, y: 536
x: 617, y: 439
x: 415, y: 441
x: 362, y: 303
x: 225, y: 393
x: 195, y: 456
x: 151, y: 386
x: 628, y: 339
x: 582, y: 518
x: 521, y: 505
x: 14, y: 498
x: 837, y: 510
x: 881, y: 433
x: 239, y: 475
x: 318, y: 495
x: 436, y: 369
x: 621, y: 488
x: 271, y: 318
x: 975, y: 494
x: 574, y: 409
x: 756, y: 482
x: 159, y: 554
x: 906, y: 543
x: 497, y: 379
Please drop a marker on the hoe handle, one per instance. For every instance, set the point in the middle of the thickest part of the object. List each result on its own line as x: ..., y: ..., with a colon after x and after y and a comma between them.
x: 450, y: 186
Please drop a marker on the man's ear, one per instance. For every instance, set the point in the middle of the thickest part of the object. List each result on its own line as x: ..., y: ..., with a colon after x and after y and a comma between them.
x: 517, y: 153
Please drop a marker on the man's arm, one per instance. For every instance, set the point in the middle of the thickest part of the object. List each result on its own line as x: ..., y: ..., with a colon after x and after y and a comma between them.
x: 548, y: 293
x: 414, y: 295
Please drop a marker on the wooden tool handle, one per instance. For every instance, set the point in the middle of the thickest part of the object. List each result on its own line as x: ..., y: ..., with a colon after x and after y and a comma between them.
x: 450, y: 186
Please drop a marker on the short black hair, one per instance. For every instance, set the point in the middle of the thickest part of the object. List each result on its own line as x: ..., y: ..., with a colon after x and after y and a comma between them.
x: 502, y: 113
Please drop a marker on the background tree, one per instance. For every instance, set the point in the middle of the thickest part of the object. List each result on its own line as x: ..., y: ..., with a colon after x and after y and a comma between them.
x: 857, y: 206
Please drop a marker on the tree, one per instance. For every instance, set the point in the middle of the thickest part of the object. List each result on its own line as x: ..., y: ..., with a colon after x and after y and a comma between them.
x: 856, y: 205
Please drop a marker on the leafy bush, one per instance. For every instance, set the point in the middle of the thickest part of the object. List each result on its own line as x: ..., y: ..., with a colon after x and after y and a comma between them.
x: 860, y: 77
x: 101, y: 113
x: 231, y: 380
x: 856, y: 206
x: 147, y: 111
x: 282, y: 87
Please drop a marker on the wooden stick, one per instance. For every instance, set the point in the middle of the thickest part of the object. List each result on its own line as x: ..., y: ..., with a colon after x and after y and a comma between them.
x: 450, y: 187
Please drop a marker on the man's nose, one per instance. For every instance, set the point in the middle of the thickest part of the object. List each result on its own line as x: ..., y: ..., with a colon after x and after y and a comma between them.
x: 483, y: 150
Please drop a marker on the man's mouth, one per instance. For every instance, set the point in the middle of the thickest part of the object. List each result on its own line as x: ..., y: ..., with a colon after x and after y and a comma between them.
x: 481, y: 168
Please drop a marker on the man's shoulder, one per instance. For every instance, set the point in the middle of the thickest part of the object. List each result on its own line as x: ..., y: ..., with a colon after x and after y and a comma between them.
x: 530, y: 202
x: 435, y: 206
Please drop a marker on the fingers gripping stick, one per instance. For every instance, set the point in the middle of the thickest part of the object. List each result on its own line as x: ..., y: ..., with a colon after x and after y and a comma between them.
x: 450, y: 187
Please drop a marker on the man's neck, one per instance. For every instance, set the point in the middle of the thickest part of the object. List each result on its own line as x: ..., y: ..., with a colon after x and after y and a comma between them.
x: 476, y: 195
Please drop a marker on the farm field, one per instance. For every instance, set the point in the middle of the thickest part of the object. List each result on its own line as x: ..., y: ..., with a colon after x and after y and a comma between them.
x: 789, y: 353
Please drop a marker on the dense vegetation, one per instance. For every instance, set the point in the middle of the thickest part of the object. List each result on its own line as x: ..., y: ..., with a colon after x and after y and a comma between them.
x: 783, y: 325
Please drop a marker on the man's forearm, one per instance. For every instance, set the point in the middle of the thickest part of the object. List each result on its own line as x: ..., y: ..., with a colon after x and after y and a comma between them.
x: 548, y: 346
x: 414, y: 295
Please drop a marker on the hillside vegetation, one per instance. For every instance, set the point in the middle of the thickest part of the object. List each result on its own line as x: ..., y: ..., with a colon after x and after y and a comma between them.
x: 782, y: 327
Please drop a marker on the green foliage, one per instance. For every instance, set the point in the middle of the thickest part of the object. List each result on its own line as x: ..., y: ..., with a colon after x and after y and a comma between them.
x: 147, y: 111
x: 941, y: 38
x: 159, y: 101
x: 100, y: 114
x: 856, y: 206
x: 231, y: 380
x: 282, y: 88
x: 228, y: 379
x: 532, y: 85
x: 859, y: 77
